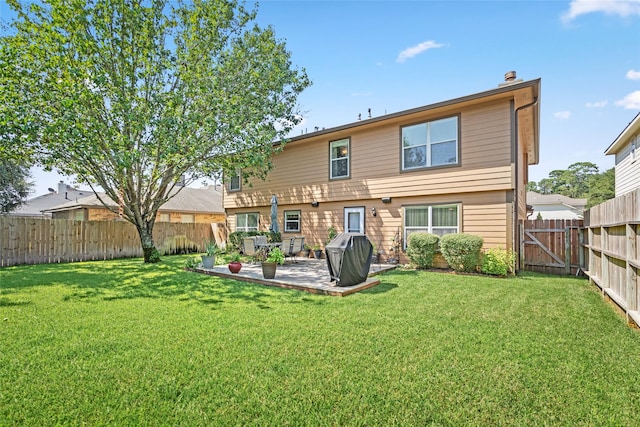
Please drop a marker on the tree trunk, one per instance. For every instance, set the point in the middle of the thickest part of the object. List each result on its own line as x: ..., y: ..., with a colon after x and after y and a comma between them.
x: 146, y: 240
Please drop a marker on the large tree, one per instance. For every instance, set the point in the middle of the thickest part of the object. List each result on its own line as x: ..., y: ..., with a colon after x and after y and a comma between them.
x: 14, y: 184
x: 133, y: 95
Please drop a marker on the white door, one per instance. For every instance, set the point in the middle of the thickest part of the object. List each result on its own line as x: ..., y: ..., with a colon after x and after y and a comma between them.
x: 354, y: 220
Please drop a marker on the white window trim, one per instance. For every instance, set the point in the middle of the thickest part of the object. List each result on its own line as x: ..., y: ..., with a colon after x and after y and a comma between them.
x: 298, y: 221
x: 429, y: 228
x: 347, y: 158
x: 247, y: 228
x: 428, y: 144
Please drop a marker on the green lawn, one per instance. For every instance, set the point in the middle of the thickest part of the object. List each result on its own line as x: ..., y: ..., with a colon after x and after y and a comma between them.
x: 123, y: 343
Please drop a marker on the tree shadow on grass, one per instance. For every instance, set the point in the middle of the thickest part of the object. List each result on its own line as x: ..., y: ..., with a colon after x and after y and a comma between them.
x: 131, y: 278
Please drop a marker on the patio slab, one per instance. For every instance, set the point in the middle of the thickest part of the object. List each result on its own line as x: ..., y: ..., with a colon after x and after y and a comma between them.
x: 308, y: 274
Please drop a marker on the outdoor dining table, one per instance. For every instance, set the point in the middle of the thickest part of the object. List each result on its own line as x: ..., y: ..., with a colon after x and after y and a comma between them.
x: 268, y: 245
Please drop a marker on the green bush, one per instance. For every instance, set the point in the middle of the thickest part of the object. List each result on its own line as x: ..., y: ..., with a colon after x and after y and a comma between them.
x: 461, y: 251
x: 498, y: 262
x: 422, y: 248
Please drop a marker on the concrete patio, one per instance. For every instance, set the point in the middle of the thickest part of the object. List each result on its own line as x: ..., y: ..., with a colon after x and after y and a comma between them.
x: 307, y: 274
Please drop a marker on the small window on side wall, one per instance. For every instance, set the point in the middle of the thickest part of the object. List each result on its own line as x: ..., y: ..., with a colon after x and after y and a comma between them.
x: 436, y: 219
x: 235, y: 182
x: 291, y: 221
x: 339, y: 159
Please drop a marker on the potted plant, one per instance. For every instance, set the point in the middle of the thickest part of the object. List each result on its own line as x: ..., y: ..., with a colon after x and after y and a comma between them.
x: 234, y: 263
x: 317, y: 251
x: 305, y: 251
x: 270, y: 258
x: 211, y: 249
x: 375, y: 257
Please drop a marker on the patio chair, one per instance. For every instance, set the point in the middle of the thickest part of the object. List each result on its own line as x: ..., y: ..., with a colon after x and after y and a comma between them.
x: 297, y: 243
x: 248, y: 246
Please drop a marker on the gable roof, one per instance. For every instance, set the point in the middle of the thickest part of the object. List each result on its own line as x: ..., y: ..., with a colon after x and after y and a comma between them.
x: 625, y: 136
x: 534, y: 198
x: 191, y: 200
x: 501, y: 90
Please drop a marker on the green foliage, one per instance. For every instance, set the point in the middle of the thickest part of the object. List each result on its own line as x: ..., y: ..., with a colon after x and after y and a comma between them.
x: 498, y: 262
x: 602, y: 188
x: 579, y: 180
x: 461, y: 251
x: 211, y: 248
x: 153, y: 257
x: 234, y: 257
x: 266, y: 254
x: 422, y: 248
x: 332, y: 232
x: 192, y: 262
x: 133, y: 97
x: 276, y: 255
x: 14, y: 184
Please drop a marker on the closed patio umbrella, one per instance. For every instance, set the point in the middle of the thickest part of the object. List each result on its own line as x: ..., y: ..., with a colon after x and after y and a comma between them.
x: 274, y: 215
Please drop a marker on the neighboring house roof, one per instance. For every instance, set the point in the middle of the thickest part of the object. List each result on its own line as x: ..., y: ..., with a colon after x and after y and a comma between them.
x: 35, y: 206
x: 191, y: 200
x: 625, y: 136
x: 536, y: 199
x: 533, y: 148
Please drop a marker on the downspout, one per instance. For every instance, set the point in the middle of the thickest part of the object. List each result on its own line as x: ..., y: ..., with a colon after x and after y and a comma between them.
x: 516, y: 225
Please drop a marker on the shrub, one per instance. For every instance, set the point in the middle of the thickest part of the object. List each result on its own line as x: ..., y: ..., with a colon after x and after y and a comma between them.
x: 422, y: 248
x: 461, y: 251
x: 498, y: 262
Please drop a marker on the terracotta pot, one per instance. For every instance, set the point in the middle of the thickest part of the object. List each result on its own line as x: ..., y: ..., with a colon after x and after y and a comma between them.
x: 234, y: 267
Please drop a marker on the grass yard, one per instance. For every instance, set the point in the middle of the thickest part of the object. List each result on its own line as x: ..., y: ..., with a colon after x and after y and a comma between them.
x: 123, y: 343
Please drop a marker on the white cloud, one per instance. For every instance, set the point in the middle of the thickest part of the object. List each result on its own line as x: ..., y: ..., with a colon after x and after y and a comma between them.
x: 631, y: 101
x: 562, y: 115
x: 633, y: 75
x: 597, y: 104
x: 622, y: 8
x: 412, y: 51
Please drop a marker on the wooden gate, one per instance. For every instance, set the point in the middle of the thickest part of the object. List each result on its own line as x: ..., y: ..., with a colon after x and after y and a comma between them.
x: 553, y: 246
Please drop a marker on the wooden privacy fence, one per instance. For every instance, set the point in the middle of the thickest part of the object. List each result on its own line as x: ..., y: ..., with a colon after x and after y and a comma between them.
x: 614, y: 254
x: 42, y: 241
x: 553, y: 245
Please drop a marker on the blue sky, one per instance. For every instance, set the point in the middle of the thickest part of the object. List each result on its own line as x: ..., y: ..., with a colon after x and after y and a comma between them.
x: 394, y: 55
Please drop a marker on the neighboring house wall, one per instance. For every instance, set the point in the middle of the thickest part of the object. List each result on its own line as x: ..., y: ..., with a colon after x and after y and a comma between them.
x: 482, y: 186
x: 626, y: 150
x: 190, y: 205
x: 628, y: 167
x: 555, y: 206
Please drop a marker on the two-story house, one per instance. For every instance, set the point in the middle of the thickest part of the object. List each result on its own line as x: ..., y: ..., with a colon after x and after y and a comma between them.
x: 450, y: 167
x: 626, y: 148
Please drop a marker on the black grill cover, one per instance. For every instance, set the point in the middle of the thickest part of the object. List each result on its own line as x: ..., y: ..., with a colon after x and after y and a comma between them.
x: 349, y: 258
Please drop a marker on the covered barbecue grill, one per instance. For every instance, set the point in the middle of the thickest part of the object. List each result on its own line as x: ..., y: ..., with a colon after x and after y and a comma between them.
x: 349, y: 258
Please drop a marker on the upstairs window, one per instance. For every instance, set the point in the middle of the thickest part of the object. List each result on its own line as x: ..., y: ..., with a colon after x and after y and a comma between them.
x: 235, y: 182
x: 339, y: 159
x: 430, y: 144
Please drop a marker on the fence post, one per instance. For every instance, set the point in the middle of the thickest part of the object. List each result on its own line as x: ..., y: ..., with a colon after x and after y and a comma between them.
x: 567, y: 251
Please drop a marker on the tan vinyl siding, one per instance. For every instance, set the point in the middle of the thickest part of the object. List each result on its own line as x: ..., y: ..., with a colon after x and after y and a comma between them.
x: 375, y: 165
x: 483, y: 214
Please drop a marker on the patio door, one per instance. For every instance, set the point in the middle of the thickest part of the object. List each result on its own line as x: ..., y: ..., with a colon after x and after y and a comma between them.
x: 354, y: 220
